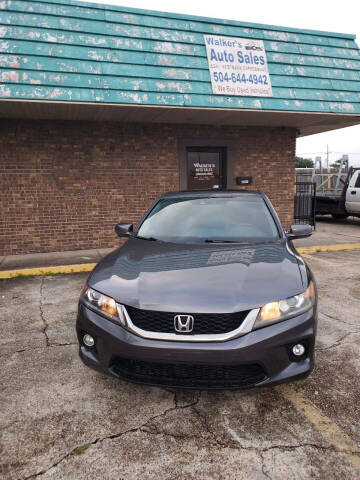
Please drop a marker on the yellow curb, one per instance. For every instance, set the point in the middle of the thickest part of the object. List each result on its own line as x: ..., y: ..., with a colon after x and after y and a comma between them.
x: 329, y: 248
x: 25, y: 272
x: 87, y: 267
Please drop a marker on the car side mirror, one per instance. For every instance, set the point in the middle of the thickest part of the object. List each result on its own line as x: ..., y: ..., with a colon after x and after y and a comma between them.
x: 299, y: 231
x: 124, y: 229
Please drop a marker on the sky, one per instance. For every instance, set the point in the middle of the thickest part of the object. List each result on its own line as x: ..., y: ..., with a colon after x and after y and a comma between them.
x: 311, y: 14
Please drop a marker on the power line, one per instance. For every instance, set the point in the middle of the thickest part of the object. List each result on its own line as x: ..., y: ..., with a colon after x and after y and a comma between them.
x: 324, y: 153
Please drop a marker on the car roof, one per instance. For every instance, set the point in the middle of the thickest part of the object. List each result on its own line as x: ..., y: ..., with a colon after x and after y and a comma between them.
x: 212, y: 193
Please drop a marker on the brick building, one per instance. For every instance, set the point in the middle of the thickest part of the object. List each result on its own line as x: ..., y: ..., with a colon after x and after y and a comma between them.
x: 104, y: 108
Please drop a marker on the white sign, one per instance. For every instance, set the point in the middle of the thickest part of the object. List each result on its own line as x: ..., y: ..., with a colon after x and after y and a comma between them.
x: 204, y: 171
x: 238, y: 66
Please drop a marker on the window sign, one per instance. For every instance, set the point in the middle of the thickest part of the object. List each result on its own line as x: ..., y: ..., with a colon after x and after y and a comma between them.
x: 204, y: 170
x: 238, y: 66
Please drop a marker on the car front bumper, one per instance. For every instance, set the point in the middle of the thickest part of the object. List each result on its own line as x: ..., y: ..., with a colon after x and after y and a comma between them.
x: 262, y: 357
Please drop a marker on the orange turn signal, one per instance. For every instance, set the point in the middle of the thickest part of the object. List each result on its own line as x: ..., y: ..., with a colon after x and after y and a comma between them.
x: 109, y: 306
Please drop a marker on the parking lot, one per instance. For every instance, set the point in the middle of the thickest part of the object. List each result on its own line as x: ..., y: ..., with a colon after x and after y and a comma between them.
x: 61, y: 420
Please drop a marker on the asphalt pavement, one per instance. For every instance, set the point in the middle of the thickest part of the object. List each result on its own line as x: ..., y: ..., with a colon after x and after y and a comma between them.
x: 61, y: 420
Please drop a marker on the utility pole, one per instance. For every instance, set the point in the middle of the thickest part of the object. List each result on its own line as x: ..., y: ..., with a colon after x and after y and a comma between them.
x: 327, y: 157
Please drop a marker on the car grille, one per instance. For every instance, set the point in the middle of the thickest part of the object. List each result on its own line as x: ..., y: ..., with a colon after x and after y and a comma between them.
x: 189, y: 375
x: 204, y: 323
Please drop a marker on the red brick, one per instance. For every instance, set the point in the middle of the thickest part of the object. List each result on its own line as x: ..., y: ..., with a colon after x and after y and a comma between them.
x: 64, y: 185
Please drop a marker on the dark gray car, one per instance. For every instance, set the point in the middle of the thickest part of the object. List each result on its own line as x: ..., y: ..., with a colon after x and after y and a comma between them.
x: 207, y: 292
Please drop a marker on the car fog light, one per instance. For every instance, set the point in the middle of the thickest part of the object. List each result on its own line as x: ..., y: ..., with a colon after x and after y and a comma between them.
x: 298, y: 350
x: 88, y: 340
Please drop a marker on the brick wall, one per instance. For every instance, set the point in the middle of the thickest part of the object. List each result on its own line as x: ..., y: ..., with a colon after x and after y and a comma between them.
x: 64, y: 185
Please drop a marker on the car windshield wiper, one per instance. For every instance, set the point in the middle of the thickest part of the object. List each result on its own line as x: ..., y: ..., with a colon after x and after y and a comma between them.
x: 214, y: 240
x: 151, y: 239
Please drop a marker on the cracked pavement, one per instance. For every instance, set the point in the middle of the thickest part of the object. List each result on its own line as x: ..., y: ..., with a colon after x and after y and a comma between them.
x: 61, y: 420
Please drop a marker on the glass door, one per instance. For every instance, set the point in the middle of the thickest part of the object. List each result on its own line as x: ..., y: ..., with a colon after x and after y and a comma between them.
x: 206, y: 168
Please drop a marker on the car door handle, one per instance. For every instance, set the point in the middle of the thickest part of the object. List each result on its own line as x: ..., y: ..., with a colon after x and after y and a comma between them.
x: 353, y: 192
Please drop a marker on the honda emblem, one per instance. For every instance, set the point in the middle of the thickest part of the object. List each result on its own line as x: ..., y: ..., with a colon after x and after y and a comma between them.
x: 183, y: 323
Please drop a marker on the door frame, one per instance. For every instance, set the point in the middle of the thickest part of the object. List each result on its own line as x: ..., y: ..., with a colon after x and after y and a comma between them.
x: 200, y: 142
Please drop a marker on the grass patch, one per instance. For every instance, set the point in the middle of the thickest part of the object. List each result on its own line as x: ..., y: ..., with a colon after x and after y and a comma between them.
x: 43, y: 274
x: 81, y: 450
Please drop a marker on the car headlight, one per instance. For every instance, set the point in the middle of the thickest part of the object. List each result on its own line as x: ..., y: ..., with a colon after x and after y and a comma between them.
x: 104, y: 305
x: 280, y: 310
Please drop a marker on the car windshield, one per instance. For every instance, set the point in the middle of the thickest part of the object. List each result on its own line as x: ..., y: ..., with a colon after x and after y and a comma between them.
x: 241, y: 218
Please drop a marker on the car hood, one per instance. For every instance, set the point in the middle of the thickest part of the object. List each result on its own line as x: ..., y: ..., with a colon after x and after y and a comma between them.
x: 163, y: 276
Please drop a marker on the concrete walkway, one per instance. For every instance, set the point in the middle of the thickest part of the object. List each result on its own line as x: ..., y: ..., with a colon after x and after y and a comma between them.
x: 328, y: 232
x: 331, y: 232
x: 33, y: 260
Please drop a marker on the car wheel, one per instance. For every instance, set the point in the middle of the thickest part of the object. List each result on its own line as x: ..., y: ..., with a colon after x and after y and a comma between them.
x: 339, y: 216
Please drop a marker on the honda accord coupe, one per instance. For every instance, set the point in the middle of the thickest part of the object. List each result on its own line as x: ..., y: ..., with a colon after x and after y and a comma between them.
x: 207, y: 292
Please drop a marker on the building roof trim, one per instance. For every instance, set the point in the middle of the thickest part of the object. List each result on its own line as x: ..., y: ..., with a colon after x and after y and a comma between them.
x: 306, y: 123
x: 76, y: 51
